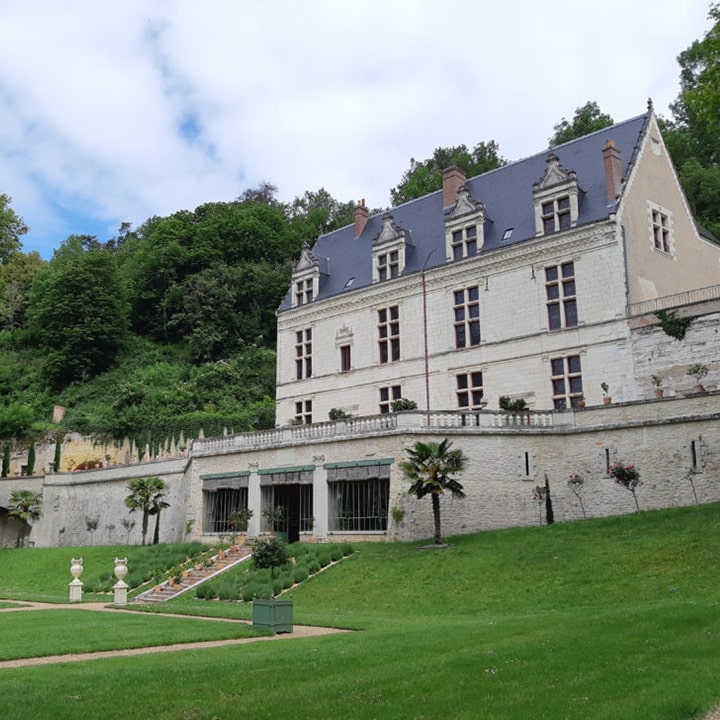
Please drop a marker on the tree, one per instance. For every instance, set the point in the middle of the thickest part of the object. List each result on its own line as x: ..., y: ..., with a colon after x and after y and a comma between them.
x: 693, y: 136
x: 269, y: 553
x: 78, y: 313
x: 11, y: 228
x: 586, y: 119
x: 320, y: 212
x: 426, y: 176
x: 16, y: 277
x: 146, y: 495
x: 429, y: 469
x: 26, y: 507
x: 697, y: 109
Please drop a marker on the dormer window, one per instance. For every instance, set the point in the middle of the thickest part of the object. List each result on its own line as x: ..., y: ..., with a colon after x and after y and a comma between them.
x: 304, y: 291
x: 556, y: 215
x: 390, y: 250
x: 388, y: 265
x: 306, y: 277
x: 555, y: 197
x: 464, y: 227
x: 464, y: 242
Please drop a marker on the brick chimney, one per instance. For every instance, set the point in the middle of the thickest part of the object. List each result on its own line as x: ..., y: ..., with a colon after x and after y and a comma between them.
x: 452, y: 179
x: 613, y: 171
x: 361, y: 217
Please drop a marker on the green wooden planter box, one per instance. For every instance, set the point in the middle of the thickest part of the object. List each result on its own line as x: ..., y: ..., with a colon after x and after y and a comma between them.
x: 275, y: 615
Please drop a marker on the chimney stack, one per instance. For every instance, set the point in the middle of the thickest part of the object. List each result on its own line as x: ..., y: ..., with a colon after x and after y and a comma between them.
x: 361, y: 217
x: 452, y: 179
x: 613, y: 171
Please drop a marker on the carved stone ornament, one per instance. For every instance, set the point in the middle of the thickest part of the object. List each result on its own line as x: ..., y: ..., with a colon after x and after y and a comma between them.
x: 465, y: 204
x: 555, y: 174
x: 391, y: 232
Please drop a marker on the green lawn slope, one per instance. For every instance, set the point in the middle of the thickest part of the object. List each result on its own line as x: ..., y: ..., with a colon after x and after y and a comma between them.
x: 609, y: 618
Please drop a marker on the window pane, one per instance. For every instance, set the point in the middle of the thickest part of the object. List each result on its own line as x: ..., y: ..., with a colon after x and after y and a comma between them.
x: 477, y: 397
x: 459, y: 297
x: 471, y: 232
x: 474, y: 311
x: 460, y: 336
x: 564, y: 220
x: 551, y: 273
x: 554, y: 316
x: 462, y: 381
x: 557, y: 366
x: 558, y: 387
x: 553, y: 291
x: 549, y: 225
x: 474, y: 333
x: 575, y: 384
x: 574, y: 364
x: 473, y: 293
x: 476, y: 379
x: 568, y: 287
x: 472, y: 248
x: 394, y: 312
x: 571, y: 313
x: 563, y: 203
x: 459, y: 314
x: 568, y: 270
x: 548, y: 208
x: 463, y: 399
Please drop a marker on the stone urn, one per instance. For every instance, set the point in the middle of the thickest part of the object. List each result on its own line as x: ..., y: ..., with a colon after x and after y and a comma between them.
x: 121, y: 569
x: 76, y: 585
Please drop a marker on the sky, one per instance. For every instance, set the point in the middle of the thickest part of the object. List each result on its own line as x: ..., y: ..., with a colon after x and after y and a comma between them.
x: 115, y: 112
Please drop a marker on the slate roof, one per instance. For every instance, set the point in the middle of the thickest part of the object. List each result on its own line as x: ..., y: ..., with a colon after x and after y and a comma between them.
x: 507, y: 195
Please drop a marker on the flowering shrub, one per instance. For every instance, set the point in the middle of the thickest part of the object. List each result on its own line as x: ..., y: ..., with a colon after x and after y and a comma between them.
x: 629, y: 477
x: 575, y: 480
x: 626, y: 475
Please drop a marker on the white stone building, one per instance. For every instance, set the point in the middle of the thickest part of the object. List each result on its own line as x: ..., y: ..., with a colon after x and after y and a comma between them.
x: 537, y: 281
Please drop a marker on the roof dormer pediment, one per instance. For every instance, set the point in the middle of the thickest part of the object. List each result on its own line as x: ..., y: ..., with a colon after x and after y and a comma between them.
x: 555, y: 174
x: 391, y: 232
x: 464, y: 205
x: 309, y: 262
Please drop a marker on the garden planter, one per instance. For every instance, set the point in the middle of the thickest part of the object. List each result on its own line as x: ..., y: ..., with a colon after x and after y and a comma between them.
x: 274, y: 615
x: 607, y: 399
x: 659, y: 392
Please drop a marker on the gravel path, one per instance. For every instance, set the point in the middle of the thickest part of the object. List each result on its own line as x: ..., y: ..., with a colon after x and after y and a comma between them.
x: 299, y: 631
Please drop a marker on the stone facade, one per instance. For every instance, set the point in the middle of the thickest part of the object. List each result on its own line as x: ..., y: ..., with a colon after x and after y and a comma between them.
x: 538, y: 281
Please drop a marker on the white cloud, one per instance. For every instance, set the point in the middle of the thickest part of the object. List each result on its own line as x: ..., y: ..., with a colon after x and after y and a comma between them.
x: 94, y: 96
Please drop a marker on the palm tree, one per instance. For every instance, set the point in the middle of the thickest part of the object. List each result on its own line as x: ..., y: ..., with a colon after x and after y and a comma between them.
x: 24, y: 506
x: 146, y: 495
x: 429, y: 468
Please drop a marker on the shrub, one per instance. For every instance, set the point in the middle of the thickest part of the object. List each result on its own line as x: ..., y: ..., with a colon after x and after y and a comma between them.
x: 323, y: 557
x: 249, y: 592
x: 336, y: 553
x: 347, y: 549
x: 300, y: 573
x: 313, y: 565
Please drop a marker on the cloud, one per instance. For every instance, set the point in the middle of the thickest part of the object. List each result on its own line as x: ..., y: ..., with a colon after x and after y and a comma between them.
x: 121, y: 112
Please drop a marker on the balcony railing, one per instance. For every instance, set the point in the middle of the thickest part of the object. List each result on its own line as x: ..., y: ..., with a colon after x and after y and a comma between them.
x: 413, y: 420
x: 672, y: 301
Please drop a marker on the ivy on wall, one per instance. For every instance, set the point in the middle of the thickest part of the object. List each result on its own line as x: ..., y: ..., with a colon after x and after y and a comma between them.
x: 673, y: 325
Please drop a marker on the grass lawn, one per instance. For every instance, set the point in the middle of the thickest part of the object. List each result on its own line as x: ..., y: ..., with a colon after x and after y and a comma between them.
x: 611, y: 618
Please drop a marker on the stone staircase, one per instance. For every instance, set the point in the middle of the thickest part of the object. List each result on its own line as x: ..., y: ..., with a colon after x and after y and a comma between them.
x: 193, y: 577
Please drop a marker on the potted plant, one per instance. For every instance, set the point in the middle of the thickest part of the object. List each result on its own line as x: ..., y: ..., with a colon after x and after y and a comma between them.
x: 607, y: 399
x: 238, y: 520
x: 276, y: 517
x: 268, y: 612
x: 657, y: 382
x: 698, y: 371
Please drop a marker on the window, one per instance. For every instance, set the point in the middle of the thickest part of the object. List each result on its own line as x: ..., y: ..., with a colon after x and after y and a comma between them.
x: 388, y: 265
x: 464, y: 242
x: 345, y: 358
x: 303, y: 354
x: 303, y: 411
x: 661, y: 231
x: 556, y: 215
x: 469, y: 391
x: 466, y: 310
x: 387, y: 395
x: 560, y: 292
x: 566, y: 377
x: 507, y: 234
x: 358, y: 499
x: 389, y: 334
x: 218, y: 504
x: 303, y: 291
